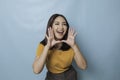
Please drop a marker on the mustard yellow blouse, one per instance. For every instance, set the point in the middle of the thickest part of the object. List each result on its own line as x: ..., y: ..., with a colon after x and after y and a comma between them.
x: 57, y: 60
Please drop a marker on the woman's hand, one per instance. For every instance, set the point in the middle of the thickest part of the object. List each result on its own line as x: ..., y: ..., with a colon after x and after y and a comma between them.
x: 50, y: 38
x: 71, y: 37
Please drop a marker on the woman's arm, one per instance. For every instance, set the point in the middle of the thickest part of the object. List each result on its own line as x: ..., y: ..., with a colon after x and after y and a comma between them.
x: 39, y: 61
x: 79, y: 59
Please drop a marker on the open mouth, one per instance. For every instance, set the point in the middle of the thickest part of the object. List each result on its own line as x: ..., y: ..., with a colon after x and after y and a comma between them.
x: 60, y: 32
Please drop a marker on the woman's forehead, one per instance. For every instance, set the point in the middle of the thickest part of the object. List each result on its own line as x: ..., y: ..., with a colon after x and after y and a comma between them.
x: 59, y: 19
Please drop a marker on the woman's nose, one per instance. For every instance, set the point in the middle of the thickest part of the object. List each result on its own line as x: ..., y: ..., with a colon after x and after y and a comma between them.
x: 61, y: 26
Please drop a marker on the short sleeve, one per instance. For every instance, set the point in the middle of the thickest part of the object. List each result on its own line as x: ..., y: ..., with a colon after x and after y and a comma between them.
x: 39, y: 49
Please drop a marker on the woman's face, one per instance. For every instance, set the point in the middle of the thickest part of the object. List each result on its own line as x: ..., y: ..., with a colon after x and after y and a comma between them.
x: 59, y: 27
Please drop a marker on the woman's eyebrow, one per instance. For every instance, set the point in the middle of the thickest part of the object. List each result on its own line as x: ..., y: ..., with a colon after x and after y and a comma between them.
x: 63, y: 22
x: 58, y: 22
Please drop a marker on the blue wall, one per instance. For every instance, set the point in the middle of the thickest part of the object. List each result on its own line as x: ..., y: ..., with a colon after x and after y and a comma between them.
x: 23, y: 24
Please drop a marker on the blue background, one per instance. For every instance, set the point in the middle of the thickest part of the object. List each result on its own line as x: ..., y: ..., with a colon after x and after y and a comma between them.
x: 23, y: 24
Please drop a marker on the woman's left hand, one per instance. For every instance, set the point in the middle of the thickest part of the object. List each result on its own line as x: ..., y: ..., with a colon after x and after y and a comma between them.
x: 71, y: 37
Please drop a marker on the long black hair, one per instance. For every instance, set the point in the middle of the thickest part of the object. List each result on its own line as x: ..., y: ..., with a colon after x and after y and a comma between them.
x: 50, y: 23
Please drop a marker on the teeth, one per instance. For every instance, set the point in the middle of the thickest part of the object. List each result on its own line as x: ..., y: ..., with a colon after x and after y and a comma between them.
x: 60, y: 32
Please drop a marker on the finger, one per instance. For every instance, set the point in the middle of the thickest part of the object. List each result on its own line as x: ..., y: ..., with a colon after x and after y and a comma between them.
x: 46, y: 36
x: 64, y: 41
x: 48, y: 31
x: 72, y: 31
x: 51, y: 32
x: 69, y: 31
x: 75, y: 34
x: 58, y: 41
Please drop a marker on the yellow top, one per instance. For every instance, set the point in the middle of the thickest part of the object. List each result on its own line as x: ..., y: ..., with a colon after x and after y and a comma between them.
x: 57, y: 60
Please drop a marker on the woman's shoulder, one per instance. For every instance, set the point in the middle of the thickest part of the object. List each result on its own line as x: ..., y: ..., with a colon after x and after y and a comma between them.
x: 43, y: 42
x: 40, y: 48
x: 40, y: 44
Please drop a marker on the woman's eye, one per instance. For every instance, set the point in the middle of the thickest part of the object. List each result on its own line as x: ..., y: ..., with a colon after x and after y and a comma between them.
x: 56, y: 24
x: 64, y: 24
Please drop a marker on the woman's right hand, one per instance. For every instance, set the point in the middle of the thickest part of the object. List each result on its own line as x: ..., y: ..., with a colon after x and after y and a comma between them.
x: 50, y: 38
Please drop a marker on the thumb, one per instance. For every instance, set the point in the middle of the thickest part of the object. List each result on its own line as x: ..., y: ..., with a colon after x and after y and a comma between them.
x: 57, y: 41
x: 64, y: 41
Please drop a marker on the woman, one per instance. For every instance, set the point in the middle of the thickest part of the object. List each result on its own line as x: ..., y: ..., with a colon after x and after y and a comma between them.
x: 58, y: 50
